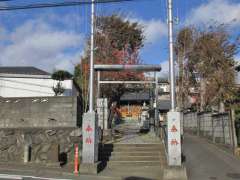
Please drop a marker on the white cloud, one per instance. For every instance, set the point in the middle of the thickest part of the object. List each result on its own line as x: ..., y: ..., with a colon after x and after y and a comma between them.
x: 64, y: 61
x: 163, y: 73
x: 165, y: 69
x: 220, y: 11
x: 237, y: 58
x: 38, y: 43
x: 154, y: 29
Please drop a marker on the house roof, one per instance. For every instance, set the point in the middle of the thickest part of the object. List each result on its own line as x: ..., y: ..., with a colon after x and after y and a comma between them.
x: 22, y: 70
x: 135, y: 96
x: 163, y: 80
x: 164, y: 105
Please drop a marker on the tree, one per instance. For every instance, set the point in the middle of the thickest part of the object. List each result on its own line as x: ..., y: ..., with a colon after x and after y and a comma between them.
x: 117, y: 41
x: 210, y: 66
x: 183, y: 47
x: 58, y: 89
x: 212, y: 59
x: 81, y: 78
x: 60, y: 75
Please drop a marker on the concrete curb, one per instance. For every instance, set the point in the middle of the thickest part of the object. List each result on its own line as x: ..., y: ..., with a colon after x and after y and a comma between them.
x: 50, y: 174
x: 175, y: 173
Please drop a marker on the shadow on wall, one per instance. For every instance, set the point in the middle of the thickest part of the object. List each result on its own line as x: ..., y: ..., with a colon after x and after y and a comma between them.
x: 79, y: 111
x: 63, y: 158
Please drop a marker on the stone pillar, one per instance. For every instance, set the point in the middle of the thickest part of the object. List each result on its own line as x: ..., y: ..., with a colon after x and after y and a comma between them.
x: 53, y: 155
x: 102, y: 111
x: 26, y: 153
x: 174, y: 138
x: 232, y: 127
x: 90, y: 163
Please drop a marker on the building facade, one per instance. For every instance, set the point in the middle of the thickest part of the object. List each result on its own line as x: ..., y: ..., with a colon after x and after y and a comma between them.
x: 31, y: 82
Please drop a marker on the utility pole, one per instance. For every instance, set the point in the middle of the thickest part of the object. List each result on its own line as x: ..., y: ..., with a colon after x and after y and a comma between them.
x: 173, y: 117
x: 90, y: 120
x: 91, y: 59
x: 171, y: 61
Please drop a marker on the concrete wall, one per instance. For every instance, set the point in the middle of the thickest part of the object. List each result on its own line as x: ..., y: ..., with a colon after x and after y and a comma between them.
x: 205, y: 124
x: 215, y: 127
x: 39, y: 112
x: 32, y: 87
x: 221, y: 128
x: 190, y: 123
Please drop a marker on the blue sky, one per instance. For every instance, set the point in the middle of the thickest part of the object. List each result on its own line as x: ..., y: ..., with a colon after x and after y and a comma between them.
x: 54, y: 38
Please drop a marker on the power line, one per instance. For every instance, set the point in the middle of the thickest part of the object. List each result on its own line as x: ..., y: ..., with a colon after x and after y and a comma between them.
x: 61, y: 4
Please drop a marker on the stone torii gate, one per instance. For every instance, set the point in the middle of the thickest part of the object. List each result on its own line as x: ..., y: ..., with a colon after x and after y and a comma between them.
x: 137, y: 68
x: 90, y: 162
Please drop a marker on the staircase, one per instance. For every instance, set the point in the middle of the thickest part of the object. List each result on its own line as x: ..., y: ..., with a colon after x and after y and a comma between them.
x: 134, y: 160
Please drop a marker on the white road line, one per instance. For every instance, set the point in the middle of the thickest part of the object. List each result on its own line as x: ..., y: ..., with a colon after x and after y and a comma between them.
x: 8, y: 176
x: 20, y: 177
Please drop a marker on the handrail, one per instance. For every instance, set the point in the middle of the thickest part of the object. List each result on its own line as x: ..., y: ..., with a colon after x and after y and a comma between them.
x: 165, y: 136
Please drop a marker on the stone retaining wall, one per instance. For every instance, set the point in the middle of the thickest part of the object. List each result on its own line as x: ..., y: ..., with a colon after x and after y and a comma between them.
x: 42, y: 143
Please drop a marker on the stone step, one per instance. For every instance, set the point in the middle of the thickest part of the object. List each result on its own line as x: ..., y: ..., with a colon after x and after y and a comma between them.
x: 156, y: 154
x: 135, y: 168
x: 136, y: 158
x: 133, y: 163
x: 133, y: 149
x: 133, y: 145
x: 133, y: 158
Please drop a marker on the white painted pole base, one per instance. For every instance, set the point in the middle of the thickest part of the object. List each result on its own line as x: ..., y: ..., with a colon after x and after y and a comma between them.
x: 174, y: 138
x: 90, y: 138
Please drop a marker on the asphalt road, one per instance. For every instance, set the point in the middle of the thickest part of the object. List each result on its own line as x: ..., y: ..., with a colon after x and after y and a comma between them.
x: 205, y: 161
x: 24, y: 177
x: 43, y: 177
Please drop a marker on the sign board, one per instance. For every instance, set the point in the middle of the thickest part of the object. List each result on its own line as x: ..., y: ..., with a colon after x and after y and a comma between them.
x: 174, y: 139
x: 102, y: 111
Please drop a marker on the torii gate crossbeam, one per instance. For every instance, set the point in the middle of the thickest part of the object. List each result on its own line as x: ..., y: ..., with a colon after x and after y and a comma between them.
x: 126, y: 67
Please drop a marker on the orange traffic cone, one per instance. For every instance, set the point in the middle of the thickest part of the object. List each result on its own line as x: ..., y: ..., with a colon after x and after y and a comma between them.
x: 76, y: 163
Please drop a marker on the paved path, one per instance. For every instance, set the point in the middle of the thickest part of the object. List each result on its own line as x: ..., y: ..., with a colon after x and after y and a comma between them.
x: 205, y: 161
x: 129, y: 133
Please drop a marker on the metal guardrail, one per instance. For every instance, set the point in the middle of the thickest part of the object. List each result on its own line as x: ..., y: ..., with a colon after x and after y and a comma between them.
x: 165, y: 136
x: 237, y: 126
